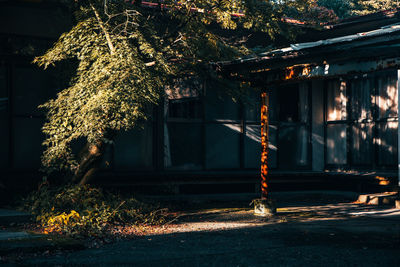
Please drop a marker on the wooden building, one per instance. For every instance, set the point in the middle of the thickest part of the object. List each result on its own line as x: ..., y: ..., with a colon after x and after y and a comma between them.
x: 197, y: 136
x: 333, y: 110
x: 333, y: 102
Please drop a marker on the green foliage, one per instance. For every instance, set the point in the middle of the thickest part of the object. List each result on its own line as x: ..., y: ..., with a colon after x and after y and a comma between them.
x: 363, y: 7
x: 110, y: 90
x: 127, y: 54
x: 346, y: 8
x: 342, y: 8
x: 87, y: 211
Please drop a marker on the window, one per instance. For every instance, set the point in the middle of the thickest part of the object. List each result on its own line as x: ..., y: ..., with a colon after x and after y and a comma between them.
x: 386, y: 102
x: 336, y: 100
x: 361, y: 121
x: 4, y: 119
x: 189, y: 108
x: 3, y: 89
x: 289, y: 104
x: 336, y: 146
x: 386, y: 141
x: 361, y: 101
x: 184, y: 147
x: 387, y: 96
x: 361, y: 143
x: 32, y: 87
x: 222, y: 143
x: 134, y: 148
x: 293, y: 127
x: 183, y: 129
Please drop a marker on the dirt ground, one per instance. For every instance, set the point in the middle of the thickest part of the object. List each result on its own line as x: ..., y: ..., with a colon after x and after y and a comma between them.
x: 322, y: 231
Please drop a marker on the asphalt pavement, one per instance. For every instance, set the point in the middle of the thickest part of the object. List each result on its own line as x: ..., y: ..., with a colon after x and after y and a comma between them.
x: 308, y: 230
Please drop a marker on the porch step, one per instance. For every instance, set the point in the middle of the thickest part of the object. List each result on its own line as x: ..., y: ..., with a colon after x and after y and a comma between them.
x: 386, y: 198
x: 14, y: 217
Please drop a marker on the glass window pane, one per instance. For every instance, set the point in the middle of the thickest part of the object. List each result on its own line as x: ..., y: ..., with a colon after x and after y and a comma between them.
x: 361, y: 152
x: 188, y: 87
x: 134, y: 149
x: 3, y: 82
x: 253, y: 109
x: 336, y: 151
x: 336, y: 100
x: 387, y: 143
x: 4, y: 139
x: 289, y: 103
x: 293, y: 146
x: 253, y: 146
x: 293, y: 103
x: 32, y: 87
x: 273, y: 105
x: 303, y: 102
x: 387, y: 98
x: 183, y: 146
x: 185, y: 108
x: 361, y: 99
x: 273, y: 146
x: 220, y: 106
x: 27, y: 148
x: 252, y: 106
x: 4, y: 105
x: 222, y: 146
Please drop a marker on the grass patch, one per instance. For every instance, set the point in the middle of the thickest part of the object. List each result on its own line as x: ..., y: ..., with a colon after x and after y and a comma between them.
x: 85, y: 211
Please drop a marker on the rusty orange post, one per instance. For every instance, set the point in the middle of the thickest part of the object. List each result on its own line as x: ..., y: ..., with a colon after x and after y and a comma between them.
x: 264, y: 145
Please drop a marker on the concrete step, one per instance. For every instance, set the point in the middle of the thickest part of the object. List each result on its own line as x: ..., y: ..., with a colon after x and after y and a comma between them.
x: 15, y: 240
x: 25, y: 242
x: 386, y: 198
x: 8, y: 217
x: 14, y: 235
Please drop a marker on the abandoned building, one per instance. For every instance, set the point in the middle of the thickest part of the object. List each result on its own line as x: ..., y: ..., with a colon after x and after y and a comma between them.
x: 332, y: 110
x: 333, y: 102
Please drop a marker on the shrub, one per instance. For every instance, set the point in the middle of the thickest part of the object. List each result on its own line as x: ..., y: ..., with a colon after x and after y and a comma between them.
x: 87, y: 211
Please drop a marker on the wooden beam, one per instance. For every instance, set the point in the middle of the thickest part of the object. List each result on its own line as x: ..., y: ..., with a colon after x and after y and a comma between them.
x: 264, y: 145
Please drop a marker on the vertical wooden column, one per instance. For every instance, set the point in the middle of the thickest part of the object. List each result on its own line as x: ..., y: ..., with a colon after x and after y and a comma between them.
x: 398, y: 128
x: 264, y: 145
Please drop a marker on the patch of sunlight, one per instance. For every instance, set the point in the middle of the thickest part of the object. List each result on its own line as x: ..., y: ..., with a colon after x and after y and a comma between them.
x: 282, y: 210
x: 211, y: 226
x: 381, y: 213
x: 211, y: 211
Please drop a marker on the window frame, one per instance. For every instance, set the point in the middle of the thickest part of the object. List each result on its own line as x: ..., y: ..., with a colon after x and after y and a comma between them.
x: 350, y: 122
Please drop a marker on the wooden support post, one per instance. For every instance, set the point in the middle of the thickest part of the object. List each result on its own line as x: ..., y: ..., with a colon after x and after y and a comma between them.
x: 398, y: 130
x: 264, y: 206
x: 397, y: 201
x: 264, y: 145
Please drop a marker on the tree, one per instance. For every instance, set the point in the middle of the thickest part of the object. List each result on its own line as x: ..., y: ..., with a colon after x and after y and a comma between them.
x: 346, y: 8
x: 342, y: 8
x: 125, y: 54
x: 363, y: 7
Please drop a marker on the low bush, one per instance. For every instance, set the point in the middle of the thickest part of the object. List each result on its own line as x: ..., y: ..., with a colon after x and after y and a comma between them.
x: 87, y: 211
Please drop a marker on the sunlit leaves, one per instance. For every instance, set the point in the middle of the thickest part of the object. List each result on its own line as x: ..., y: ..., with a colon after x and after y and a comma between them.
x: 346, y: 8
x: 362, y: 7
x: 86, y: 211
x: 127, y: 53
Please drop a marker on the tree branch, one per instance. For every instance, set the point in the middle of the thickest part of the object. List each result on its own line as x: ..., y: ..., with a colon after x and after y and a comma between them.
x: 108, y: 38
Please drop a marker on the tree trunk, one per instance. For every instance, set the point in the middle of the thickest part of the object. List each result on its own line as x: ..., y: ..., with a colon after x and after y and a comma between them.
x: 90, y: 159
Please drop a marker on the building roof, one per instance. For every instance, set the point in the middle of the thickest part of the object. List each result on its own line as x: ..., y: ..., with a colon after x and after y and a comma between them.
x: 374, y: 43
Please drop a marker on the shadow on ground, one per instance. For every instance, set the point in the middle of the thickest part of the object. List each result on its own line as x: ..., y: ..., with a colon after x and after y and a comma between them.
x: 323, y: 234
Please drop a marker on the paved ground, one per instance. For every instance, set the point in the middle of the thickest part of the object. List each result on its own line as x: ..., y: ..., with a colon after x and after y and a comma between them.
x: 311, y: 232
